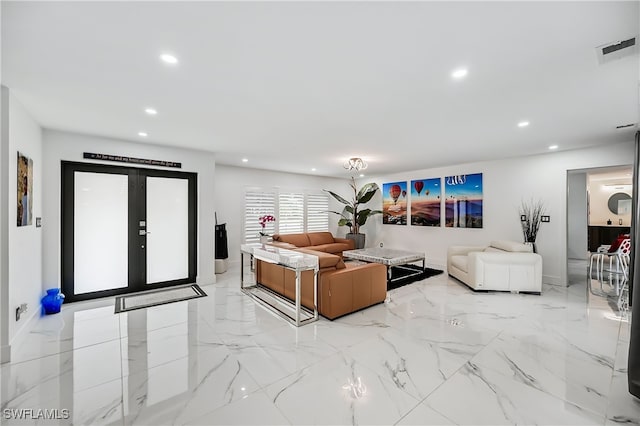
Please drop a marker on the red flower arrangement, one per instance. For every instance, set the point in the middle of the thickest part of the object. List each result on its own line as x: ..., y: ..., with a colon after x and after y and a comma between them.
x: 263, y: 220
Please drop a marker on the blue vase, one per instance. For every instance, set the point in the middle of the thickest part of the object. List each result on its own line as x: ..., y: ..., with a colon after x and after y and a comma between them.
x: 52, y: 301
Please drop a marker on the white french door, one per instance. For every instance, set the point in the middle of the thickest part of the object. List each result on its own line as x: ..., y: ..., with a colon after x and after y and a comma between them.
x: 126, y: 229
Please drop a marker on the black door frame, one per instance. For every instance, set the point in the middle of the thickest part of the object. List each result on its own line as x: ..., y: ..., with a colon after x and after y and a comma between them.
x: 136, y: 212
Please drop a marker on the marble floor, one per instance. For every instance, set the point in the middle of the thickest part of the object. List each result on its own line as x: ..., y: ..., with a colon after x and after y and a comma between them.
x: 434, y: 354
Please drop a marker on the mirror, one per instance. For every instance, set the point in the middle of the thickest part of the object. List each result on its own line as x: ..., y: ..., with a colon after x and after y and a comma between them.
x: 614, y: 202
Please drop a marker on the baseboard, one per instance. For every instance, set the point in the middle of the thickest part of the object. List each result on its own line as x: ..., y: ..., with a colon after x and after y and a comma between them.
x: 552, y: 280
x: 27, y: 326
x: 5, y: 354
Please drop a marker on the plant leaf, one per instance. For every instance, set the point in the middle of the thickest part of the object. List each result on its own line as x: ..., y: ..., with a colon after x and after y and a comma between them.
x: 337, y: 197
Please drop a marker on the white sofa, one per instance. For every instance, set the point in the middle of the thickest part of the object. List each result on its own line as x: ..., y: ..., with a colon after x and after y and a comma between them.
x: 503, y: 266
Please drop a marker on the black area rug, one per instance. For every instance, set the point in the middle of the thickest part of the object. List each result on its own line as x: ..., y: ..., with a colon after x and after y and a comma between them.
x: 398, y: 272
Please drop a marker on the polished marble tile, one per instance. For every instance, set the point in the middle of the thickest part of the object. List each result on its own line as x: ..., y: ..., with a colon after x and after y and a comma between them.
x: 558, y: 358
x: 255, y: 409
x: 491, y: 398
x: 340, y: 390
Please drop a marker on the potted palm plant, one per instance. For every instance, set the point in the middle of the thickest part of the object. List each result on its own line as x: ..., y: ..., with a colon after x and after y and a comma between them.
x: 352, y: 216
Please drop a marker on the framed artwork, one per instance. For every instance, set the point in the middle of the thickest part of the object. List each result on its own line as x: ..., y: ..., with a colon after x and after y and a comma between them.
x: 425, y: 202
x: 25, y: 190
x: 394, y: 203
x: 463, y: 202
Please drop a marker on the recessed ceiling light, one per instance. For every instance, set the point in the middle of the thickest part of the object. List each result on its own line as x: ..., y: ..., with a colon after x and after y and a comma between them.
x: 552, y: 147
x: 143, y: 134
x: 150, y: 111
x: 523, y: 124
x: 459, y: 73
x: 361, y: 174
x: 169, y: 59
x: 244, y: 160
x: 313, y: 169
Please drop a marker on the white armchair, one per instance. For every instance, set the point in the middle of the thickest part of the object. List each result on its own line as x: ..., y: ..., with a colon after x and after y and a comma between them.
x: 503, y: 266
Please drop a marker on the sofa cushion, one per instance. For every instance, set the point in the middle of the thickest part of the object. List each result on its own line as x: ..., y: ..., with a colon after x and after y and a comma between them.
x: 331, y: 248
x: 298, y: 240
x: 512, y: 246
x: 460, y: 262
x: 325, y: 260
x: 493, y: 249
x: 319, y: 238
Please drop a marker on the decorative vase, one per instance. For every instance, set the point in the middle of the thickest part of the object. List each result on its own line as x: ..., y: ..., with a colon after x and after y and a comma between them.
x: 264, y: 239
x: 358, y: 239
x: 52, y: 301
x: 533, y: 246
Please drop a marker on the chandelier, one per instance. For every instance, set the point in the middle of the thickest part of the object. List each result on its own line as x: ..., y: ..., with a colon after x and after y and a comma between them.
x: 355, y: 163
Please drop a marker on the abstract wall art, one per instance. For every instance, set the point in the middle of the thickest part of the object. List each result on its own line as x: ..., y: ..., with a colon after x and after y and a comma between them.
x: 425, y: 202
x: 463, y: 202
x: 25, y: 190
x: 394, y: 203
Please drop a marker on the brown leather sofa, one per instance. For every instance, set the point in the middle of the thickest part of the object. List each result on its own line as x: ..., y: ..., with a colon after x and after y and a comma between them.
x: 342, y: 289
x: 318, y: 241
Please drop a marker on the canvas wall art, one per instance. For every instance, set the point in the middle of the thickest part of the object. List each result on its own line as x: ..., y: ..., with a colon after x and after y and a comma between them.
x: 394, y: 203
x: 25, y: 190
x: 425, y: 202
x: 463, y: 202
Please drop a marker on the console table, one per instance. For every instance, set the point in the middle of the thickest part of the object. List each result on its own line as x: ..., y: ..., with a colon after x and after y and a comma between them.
x: 295, y: 261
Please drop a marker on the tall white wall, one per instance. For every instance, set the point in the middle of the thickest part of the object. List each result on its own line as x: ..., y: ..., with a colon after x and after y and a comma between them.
x: 63, y: 146
x: 599, y: 212
x: 577, y: 232
x: 230, y: 183
x: 506, y: 184
x: 25, y: 242
x: 5, y: 348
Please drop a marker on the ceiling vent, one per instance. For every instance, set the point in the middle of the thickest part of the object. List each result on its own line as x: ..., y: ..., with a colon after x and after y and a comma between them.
x: 624, y: 126
x: 616, y: 50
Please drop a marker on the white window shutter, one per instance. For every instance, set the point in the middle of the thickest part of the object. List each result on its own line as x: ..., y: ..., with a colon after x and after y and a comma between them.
x: 317, y: 212
x: 258, y: 202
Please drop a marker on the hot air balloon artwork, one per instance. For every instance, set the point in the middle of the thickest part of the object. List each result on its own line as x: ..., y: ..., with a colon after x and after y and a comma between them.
x: 463, y: 201
x: 425, y: 202
x: 394, y: 203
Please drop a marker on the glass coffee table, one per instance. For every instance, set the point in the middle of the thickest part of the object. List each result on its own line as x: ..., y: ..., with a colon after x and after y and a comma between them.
x: 389, y: 258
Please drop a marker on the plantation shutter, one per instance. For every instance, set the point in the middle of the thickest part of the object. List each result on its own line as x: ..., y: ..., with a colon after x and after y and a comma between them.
x: 290, y: 213
x: 317, y: 212
x: 258, y: 202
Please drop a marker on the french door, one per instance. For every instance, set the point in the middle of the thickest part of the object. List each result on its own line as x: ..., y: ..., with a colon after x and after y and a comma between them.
x: 126, y: 229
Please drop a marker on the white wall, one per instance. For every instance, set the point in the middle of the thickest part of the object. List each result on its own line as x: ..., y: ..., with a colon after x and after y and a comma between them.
x: 63, y: 146
x: 5, y: 348
x: 599, y: 211
x: 506, y: 184
x: 25, y: 242
x: 577, y: 232
x: 230, y: 183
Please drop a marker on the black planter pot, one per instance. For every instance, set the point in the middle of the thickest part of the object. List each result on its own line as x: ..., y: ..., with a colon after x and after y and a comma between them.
x: 358, y: 239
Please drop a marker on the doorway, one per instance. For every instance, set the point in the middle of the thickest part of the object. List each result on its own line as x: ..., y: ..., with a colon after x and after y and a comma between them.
x: 126, y: 229
x: 591, y: 220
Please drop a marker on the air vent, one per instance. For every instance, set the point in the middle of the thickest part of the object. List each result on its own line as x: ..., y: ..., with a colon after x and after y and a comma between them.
x: 616, y: 50
x: 618, y: 46
x: 624, y: 126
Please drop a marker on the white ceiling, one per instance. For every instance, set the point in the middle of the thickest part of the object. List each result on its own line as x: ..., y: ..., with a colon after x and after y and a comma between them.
x: 294, y: 85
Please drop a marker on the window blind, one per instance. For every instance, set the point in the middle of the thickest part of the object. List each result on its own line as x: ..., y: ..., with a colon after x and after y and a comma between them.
x: 290, y: 213
x: 317, y: 212
x: 258, y: 202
